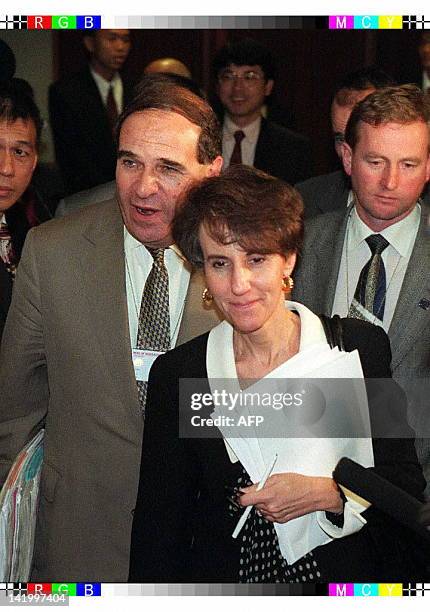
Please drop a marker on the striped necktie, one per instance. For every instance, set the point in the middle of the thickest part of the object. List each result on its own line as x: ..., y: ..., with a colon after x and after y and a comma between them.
x: 6, y: 250
x: 369, y: 297
x: 153, y: 331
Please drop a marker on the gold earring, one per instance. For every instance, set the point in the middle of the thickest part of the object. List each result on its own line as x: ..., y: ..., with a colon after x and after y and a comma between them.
x: 207, y: 297
x: 287, y: 284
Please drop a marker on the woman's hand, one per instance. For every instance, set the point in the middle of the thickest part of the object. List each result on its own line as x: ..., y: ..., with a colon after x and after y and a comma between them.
x: 287, y: 496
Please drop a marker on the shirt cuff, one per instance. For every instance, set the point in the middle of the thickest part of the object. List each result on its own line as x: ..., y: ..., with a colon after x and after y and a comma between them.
x: 352, y: 520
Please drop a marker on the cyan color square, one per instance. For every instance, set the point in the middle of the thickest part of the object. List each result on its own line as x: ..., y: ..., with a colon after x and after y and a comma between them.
x: 366, y: 22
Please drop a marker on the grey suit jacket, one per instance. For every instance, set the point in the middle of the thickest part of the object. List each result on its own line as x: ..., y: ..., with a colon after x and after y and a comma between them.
x: 409, y: 332
x: 69, y: 204
x: 65, y: 363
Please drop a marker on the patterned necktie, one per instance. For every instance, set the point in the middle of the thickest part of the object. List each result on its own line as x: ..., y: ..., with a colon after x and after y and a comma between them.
x: 154, y: 319
x: 112, y: 110
x: 6, y: 250
x: 236, y: 156
x: 371, y: 286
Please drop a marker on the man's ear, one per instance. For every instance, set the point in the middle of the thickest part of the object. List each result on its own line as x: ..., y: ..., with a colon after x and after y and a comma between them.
x: 268, y: 87
x: 347, y: 158
x: 89, y: 44
x: 428, y: 168
x: 214, y: 169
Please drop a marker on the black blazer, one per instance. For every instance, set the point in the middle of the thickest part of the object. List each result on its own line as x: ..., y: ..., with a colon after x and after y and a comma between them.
x: 181, y: 528
x: 283, y: 153
x: 324, y: 193
x: 84, y: 145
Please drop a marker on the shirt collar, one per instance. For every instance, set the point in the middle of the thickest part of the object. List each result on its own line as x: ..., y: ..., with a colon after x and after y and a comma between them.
x: 251, y: 131
x: 102, y: 83
x: 399, y: 235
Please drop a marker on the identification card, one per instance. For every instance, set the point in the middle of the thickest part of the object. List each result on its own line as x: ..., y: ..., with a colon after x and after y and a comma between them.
x: 142, y: 362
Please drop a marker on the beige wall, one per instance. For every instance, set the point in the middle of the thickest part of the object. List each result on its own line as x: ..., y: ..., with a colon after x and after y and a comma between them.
x: 33, y: 53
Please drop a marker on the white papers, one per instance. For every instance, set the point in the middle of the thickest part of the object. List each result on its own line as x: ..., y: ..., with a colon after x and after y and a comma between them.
x: 311, y: 455
x: 18, y: 510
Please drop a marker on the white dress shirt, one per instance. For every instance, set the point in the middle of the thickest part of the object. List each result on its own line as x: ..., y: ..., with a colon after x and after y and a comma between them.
x: 248, y: 144
x: 356, y: 253
x: 138, y: 264
x: 103, y: 86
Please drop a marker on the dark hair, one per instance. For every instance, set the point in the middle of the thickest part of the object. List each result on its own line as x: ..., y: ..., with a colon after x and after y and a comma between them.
x: 401, y: 104
x: 16, y: 103
x: 7, y: 61
x: 244, y: 205
x: 162, y: 91
x: 360, y: 80
x: 245, y: 52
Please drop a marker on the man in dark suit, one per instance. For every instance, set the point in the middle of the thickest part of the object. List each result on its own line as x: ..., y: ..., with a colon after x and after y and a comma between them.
x: 386, y: 154
x: 92, y: 293
x: 21, y: 203
x: 84, y: 107
x: 245, y: 77
x: 331, y: 191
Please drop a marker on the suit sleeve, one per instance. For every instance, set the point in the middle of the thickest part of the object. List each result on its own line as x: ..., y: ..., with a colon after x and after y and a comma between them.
x: 168, y: 489
x: 23, y: 375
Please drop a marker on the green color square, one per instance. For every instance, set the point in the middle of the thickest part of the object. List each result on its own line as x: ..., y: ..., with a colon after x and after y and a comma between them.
x: 64, y: 22
x: 64, y: 588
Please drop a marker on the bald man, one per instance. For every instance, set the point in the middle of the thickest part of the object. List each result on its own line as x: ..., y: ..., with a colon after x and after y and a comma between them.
x: 169, y: 65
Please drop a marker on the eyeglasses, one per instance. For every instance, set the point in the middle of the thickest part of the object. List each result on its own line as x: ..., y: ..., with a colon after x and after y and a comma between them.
x: 249, y: 78
x: 339, y: 137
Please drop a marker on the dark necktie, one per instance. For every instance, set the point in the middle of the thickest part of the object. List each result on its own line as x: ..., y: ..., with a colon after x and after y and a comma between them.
x: 111, y: 109
x: 6, y: 250
x: 236, y: 156
x: 371, y: 287
x: 154, y: 318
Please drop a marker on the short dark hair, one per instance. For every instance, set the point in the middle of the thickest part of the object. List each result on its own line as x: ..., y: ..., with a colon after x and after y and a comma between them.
x: 245, y: 52
x: 401, y: 104
x: 360, y: 80
x: 244, y: 205
x: 162, y: 91
x: 16, y: 103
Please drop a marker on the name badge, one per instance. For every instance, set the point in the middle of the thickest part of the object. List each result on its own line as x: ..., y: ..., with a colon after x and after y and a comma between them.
x: 142, y: 362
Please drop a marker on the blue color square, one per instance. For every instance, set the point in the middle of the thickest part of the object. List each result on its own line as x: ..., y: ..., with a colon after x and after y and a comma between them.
x: 88, y: 22
x: 88, y: 589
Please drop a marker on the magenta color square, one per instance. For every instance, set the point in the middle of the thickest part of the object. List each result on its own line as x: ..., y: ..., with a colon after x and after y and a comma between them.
x: 340, y: 589
x: 341, y: 22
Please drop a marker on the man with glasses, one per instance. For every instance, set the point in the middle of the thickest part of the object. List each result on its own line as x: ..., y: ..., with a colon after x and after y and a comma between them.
x: 245, y: 77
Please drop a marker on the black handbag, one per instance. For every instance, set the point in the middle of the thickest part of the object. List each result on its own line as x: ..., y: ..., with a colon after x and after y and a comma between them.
x: 333, y: 331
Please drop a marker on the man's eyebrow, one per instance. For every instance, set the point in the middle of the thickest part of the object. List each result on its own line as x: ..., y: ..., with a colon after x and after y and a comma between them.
x: 125, y: 153
x: 171, y: 162
x: 25, y: 143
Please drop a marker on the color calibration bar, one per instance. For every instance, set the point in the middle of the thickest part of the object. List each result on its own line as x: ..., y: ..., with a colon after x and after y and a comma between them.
x: 331, y: 22
x: 53, y: 591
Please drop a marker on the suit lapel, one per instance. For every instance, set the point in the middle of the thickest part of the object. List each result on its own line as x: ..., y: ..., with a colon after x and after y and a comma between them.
x: 409, y: 319
x: 103, y: 266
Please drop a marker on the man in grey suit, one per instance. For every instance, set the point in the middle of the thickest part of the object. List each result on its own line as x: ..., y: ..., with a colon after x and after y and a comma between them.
x: 71, y: 339
x: 386, y: 154
x: 328, y: 192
